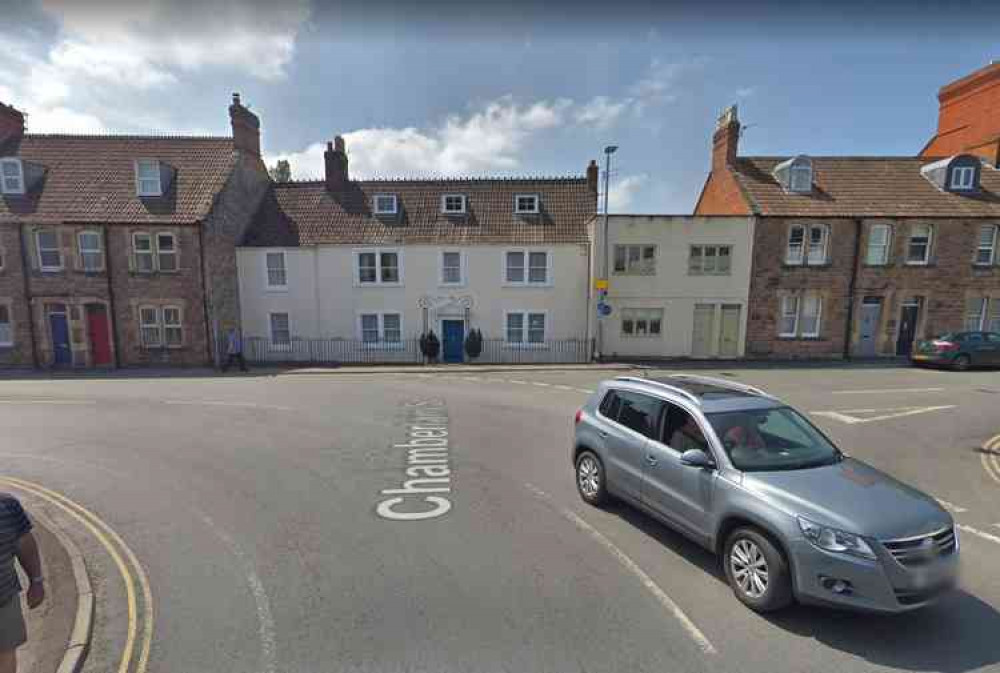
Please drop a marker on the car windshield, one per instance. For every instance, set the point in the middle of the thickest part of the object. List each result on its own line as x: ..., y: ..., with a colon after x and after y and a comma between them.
x: 762, y: 440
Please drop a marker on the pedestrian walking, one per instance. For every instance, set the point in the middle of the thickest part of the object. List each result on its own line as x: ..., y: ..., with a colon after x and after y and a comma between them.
x: 234, y: 350
x: 16, y: 542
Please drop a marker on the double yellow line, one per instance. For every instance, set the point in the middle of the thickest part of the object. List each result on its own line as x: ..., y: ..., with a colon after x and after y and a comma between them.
x: 132, y: 572
x: 991, y: 458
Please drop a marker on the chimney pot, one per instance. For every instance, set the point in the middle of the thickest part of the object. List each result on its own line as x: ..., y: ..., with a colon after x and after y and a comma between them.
x: 335, y: 158
x: 339, y: 143
x: 725, y: 140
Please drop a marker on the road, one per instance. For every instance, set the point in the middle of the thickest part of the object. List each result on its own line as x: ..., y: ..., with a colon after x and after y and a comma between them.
x: 234, y: 526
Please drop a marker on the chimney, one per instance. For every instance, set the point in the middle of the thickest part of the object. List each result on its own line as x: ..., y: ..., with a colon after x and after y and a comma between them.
x: 246, y: 127
x: 335, y: 158
x: 968, y: 121
x: 726, y: 139
x: 11, y: 122
x: 592, y: 174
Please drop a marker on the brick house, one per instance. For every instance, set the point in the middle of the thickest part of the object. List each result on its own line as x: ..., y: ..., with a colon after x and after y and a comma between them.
x: 969, y: 117
x: 120, y: 250
x: 860, y: 256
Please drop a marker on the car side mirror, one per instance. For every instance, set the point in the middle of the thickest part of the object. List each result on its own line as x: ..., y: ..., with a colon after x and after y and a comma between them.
x: 697, y: 458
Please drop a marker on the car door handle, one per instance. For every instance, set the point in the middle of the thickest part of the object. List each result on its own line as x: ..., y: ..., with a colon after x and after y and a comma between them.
x: 602, y: 434
x: 650, y: 460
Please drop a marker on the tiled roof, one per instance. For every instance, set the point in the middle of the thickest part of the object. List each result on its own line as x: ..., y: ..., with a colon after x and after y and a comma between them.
x: 91, y: 178
x: 864, y: 187
x: 306, y: 213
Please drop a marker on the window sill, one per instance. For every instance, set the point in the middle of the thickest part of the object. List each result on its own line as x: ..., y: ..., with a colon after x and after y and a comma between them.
x: 382, y: 346
x: 52, y: 269
x: 800, y: 338
x: 802, y: 265
x: 524, y: 346
x: 983, y: 267
x: 524, y: 285
x: 710, y: 275
x: 363, y: 285
x: 885, y: 265
x: 452, y: 285
x: 163, y: 348
x: 641, y: 336
x: 276, y: 289
x: 919, y: 265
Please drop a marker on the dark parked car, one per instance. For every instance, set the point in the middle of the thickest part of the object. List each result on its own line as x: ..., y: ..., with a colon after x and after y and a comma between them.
x: 959, y: 350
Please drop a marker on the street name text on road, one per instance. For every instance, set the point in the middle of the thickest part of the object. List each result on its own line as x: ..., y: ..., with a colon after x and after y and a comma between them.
x: 428, y: 469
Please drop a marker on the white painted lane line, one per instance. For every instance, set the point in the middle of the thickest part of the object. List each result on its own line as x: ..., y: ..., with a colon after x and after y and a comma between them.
x: 703, y: 643
x: 471, y: 378
x: 540, y: 384
x: 887, y: 391
x: 215, y: 403
x: 68, y: 402
x: 562, y: 387
x: 851, y: 420
x: 951, y: 506
x: 583, y: 390
x: 517, y: 382
x: 871, y: 411
x: 979, y: 533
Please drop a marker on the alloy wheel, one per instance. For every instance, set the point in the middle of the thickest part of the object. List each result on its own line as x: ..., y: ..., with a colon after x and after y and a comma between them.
x: 589, y: 476
x: 749, y: 568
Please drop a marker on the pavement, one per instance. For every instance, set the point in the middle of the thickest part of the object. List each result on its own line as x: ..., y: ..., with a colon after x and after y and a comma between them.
x: 239, y: 524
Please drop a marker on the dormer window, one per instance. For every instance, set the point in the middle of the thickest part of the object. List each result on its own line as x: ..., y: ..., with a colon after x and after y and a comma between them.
x: 963, y: 177
x: 386, y: 204
x: 453, y: 204
x: 795, y: 175
x: 959, y: 173
x: 148, y: 178
x: 526, y: 203
x: 11, y: 176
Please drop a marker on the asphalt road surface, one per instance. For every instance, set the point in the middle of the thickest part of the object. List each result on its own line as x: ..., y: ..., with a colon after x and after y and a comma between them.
x: 234, y: 525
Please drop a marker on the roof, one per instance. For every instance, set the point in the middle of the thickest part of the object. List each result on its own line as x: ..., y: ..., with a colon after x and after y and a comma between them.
x: 710, y: 394
x: 307, y: 213
x: 91, y: 178
x: 864, y: 187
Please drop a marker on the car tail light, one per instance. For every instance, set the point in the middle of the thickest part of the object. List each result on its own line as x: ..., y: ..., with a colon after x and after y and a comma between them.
x: 579, y: 416
x: 945, y: 346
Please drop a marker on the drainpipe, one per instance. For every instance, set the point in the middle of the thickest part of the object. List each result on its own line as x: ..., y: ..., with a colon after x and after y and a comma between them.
x: 111, y: 299
x: 210, y: 345
x: 852, y: 283
x: 25, y: 266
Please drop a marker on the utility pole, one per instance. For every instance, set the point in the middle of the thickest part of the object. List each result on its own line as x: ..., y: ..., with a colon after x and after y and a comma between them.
x: 602, y: 292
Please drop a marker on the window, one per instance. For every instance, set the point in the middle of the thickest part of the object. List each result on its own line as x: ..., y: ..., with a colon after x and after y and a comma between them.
x: 986, y: 249
x: 771, y: 439
x: 994, y: 323
x: 525, y: 327
x: 453, y: 203
x: 711, y: 260
x: 385, y: 204
x: 800, y: 177
x: 49, y: 254
x: 142, y: 249
x: 6, y: 331
x: 382, y: 328
x: 963, y: 177
x: 642, y: 322
x: 451, y: 268
x: 640, y: 413
x: 635, y: 260
x: 878, y: 245
x: 277, y: 276
x: 975, y: 314
x: 919, y: 249
x: 526, y: 203
x: 796, y: 238
x: 378, y: 268
x: 537, y: 272
x: 91, y: 255
x: 800, y: 316
x: 611, y: 405
x: 682, y: 433
x: 147, y: 178
x: 281, y: 331
x: 149, y: 327
x: 173, y: 333
x: 166, y: 252
x: 11, y: 176
x: 817, y: 245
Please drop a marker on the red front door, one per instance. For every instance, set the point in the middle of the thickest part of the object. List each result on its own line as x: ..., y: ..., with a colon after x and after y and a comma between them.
x: 100, y: 336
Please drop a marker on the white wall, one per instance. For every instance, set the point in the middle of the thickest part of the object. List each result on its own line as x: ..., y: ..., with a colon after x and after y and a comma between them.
x: 323, y: 298
x: 672, y: 288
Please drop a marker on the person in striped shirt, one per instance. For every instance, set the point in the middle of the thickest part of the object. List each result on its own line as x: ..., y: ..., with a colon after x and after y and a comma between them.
x: 16, y: 541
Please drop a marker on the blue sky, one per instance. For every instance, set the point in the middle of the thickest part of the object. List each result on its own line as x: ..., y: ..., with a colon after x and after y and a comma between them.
x: 457, y: 91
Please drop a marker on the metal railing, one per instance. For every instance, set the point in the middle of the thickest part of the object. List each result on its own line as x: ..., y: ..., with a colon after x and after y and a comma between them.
x: 260, y: 350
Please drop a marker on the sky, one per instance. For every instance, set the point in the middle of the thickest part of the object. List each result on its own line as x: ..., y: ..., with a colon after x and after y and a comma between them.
x: 448, y: 88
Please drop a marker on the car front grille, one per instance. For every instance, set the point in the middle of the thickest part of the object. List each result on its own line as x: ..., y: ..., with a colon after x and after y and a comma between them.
x: 924, y: 549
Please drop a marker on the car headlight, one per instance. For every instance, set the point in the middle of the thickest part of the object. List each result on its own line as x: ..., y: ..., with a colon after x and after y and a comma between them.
x: 835, y: 540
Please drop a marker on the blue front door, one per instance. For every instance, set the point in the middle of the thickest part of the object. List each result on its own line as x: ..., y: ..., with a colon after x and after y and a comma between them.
x: 60, y: 339
x: 454, y: 337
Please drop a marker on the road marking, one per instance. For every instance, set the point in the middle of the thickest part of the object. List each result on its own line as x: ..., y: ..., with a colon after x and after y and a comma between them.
x: 844, y: 417
x: 979, y: 533
x: 518, y: 382
x: 953, y: 507
x: 471, y: 378
x: 886, y: 391
x: 562, y: 387
x: 540, y: 384
x: 991, y: 459
x: 703, y: 643
x: 93, y: 523
x: 215, y: 403
x: 583, y: 390
x: 48, y: 402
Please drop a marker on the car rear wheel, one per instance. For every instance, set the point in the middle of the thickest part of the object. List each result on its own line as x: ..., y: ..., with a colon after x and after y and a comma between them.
x: 757, y: 571
x: 961, y: 363
x: 590, y: 479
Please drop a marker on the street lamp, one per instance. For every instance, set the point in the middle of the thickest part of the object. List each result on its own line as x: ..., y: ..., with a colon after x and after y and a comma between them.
x: 602, y: 294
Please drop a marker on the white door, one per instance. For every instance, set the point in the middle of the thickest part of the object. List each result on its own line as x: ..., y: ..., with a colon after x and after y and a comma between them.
x: 729, y: 332
x: 701, y: 336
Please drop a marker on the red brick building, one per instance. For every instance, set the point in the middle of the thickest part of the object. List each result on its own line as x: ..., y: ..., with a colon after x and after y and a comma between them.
x: 969, y: 117
x: 860, y: 256
x: 120, y: 250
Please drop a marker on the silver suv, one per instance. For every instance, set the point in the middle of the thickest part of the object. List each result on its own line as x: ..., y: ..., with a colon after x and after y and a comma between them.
x: 749, y: 478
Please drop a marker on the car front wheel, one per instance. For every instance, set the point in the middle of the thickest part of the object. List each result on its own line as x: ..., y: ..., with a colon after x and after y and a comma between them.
x: 961, y: 363
x: 757, y: 571
x: 590, y: 479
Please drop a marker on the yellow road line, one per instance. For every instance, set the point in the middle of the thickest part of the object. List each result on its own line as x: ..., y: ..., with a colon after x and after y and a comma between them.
x: 93, y: 522
x: 990, y: 459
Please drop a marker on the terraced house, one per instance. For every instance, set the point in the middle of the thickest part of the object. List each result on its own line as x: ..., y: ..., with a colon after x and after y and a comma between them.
x: 120, y: 250
x: 861, y: 256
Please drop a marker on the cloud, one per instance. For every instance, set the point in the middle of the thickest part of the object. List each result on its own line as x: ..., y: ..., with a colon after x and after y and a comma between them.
x: 657, y: 84
x: 602, y: 112
x: 746, y: 91
x: 624, y: 190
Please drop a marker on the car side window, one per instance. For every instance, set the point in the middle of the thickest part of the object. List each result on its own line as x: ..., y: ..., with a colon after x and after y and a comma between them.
x: 610, y: 405
x: 681, y: 431
x: 974, y: 336
x: 993, y: 338
x: 641, y: 413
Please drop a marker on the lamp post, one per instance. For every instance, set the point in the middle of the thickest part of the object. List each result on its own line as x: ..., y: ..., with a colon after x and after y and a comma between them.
x: 602, y: 293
